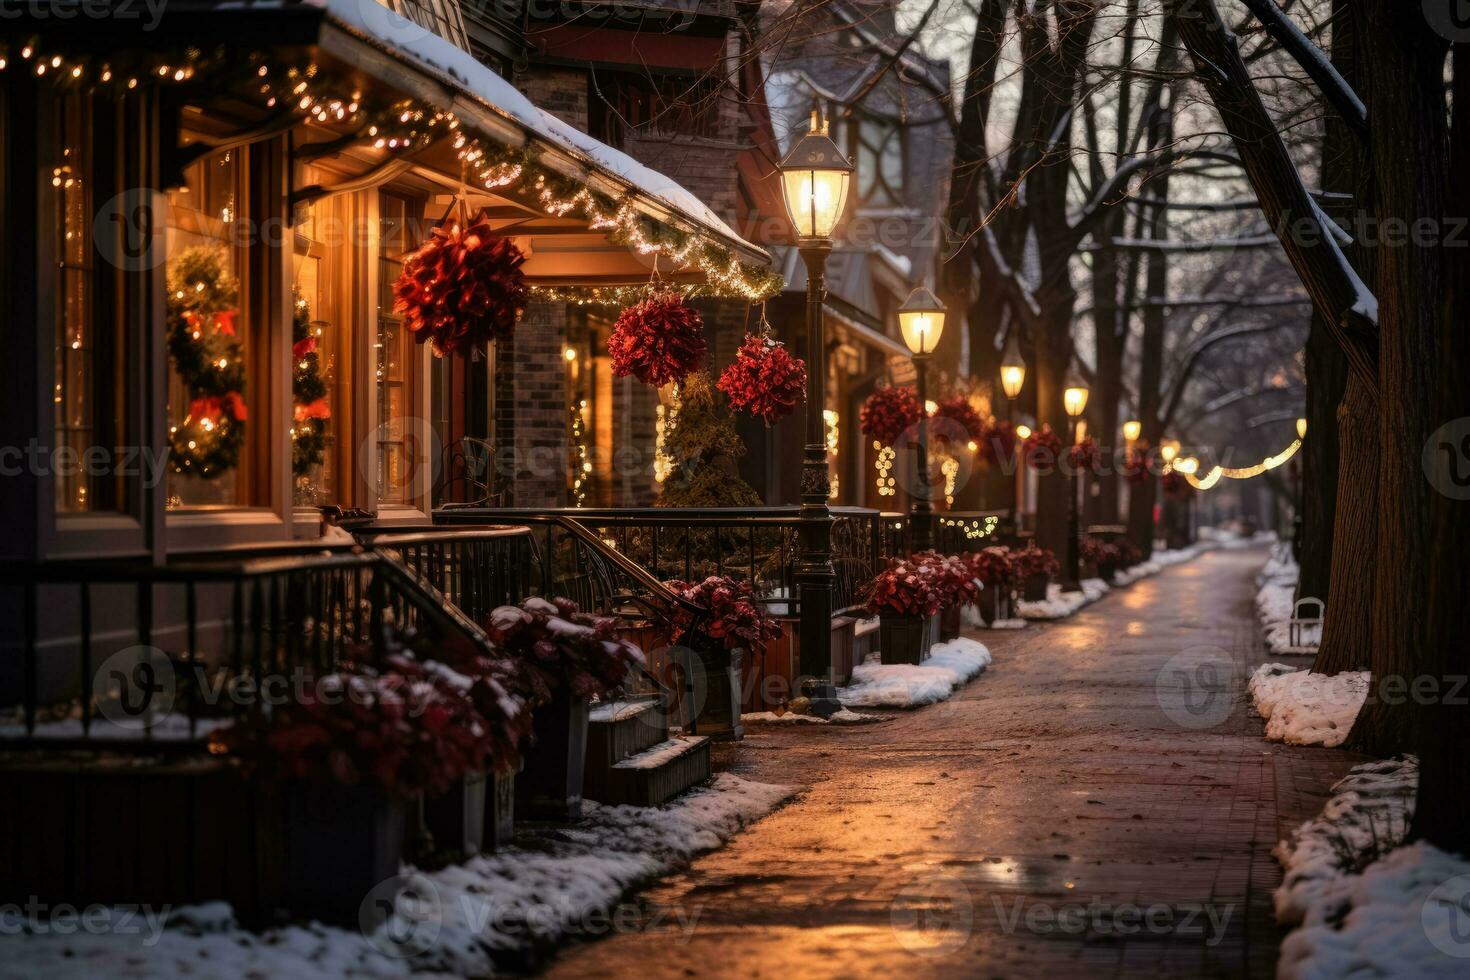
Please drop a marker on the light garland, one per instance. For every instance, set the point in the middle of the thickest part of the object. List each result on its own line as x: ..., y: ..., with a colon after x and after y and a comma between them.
x: 1243, y: 472
x: 406, y: 126
x: 884, y: 464
x: 973, y: 528
x: 951, y: 470
x: 833, y: 434
x: 581, y: 465
x: 663, y: 427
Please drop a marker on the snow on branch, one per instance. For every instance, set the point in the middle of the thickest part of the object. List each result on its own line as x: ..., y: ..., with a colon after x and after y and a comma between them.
x: 1314, y: 62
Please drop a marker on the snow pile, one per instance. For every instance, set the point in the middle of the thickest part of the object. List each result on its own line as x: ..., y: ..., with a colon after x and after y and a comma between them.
x: 1276, y: 606
x: 497, y: 909
x: 840, y: 717
x: 1361, y: 906
x: 1059, y: 604
x: 1302, y: 708
x: 948, y: 667
x: 970, y: 617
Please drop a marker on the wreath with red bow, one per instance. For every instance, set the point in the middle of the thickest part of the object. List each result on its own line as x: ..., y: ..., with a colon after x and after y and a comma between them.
x: 888, y: 412
x: 462, y: 289
x: 764, y: 379
x: 658, y: 341
x: 208, y: 359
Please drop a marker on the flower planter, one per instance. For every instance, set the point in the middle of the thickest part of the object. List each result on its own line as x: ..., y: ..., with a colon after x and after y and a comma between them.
x: 949, y: 623
x: 1108, y: 570
x: 500, y: 810
x: 1035, y: 588
x: 340, y: 842
x: 456, y: 817
x: 719, y: 714
x: 903, y: 639
x: 988, y: 604
x: 550, y: 787
x: 1087, y: 570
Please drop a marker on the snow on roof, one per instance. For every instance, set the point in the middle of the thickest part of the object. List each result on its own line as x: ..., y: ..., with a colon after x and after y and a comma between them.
x: 392, y: 31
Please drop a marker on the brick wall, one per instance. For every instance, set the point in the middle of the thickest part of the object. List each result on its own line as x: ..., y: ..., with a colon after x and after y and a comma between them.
x: 531, y: 407
x: 560, y: 91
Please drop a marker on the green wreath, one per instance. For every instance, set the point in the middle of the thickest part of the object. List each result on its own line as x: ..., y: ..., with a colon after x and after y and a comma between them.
x: 206, y: 354
x: 311, y: 413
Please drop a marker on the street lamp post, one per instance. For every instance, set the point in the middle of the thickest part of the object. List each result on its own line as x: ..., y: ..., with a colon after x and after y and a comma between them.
x: 1012, y: 379
x: 921, y: 319
x: 1074, y: 400
x: 814, y: 180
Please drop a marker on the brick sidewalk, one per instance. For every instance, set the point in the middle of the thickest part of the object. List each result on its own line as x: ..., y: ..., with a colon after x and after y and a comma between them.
x: 1083, y: 809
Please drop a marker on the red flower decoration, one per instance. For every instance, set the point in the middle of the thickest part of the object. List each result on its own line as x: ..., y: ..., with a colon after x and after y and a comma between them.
x: 998, y: 444
x: 1084, y: 456
x: 957, y: 408
x: 658, y: 341
x: 888, y: 412
x: 1032, y: 560
x: 462, y: 289
x: 1136, y: 467
x: 1043, y: 448
x: 905, y: 588
x: 735, y: 618
x: 764, y: 379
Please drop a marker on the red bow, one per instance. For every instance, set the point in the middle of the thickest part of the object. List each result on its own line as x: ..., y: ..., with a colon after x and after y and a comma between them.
x: 304, y: 346
x: 318, y: 409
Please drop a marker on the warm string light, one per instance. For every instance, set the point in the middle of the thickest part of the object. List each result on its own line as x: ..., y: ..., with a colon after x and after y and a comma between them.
x: 950, y: 467
x: 581, y: 464
x: 1239, y: 473
x: 973, y: 528
x: 887, y: 486
x: 665, y: 418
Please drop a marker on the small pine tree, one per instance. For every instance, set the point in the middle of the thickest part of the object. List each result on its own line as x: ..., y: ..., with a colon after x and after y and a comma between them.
x: 308, y: 391
x: 704, y: 447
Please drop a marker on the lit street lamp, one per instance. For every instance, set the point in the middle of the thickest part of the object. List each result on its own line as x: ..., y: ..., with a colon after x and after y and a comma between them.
x: 814, y: 179
x: 1301, y: 428
x: 1012, y: 380
x: 921, y: 319
x: 1074, y: 400
x: 1132, y: 429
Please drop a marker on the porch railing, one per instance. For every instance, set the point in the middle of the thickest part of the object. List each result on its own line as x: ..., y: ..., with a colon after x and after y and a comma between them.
x: 223, y: 630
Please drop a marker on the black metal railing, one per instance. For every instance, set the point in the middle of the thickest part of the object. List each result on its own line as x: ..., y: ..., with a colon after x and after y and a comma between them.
x: 756, y: 545
x: 228, y: 632
x: 474, y: 569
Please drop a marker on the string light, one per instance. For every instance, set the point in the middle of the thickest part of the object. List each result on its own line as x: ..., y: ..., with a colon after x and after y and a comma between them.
x: 887, y: 486
x: 581, y: 465
x: 1238, y: 473
x: 663, y: 427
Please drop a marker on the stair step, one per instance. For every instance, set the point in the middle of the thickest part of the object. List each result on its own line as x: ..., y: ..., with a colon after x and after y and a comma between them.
x: 657, y: 774
x: 618, y: 729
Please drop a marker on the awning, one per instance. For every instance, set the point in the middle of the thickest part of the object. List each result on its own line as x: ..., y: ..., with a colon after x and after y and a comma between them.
x: 589, y: 216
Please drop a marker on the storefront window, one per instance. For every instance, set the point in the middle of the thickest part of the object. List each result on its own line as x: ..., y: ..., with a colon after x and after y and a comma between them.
x: 402, y: 454
x: 74, y: 396
x: 317, y: 356
x: 206, y: 338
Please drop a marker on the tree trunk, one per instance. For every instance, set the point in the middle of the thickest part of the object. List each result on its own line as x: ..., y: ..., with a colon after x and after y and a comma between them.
x: 1053, y: 351
x: 1409, y: 145
x: 1442, y: 815
x: 1109, y: 341
x: 1347, y: 632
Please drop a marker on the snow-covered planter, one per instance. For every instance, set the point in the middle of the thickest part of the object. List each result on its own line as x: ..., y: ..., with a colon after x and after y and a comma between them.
x: 1035, y: 568
x: 904, y: 596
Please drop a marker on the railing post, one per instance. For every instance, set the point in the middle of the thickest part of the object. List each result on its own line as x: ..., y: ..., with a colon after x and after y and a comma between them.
x: 815, y: 576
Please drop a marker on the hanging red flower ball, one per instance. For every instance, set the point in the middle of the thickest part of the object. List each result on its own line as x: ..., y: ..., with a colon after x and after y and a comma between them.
x: 764, y: 379
x: 1175, y: 485
x: 1135, y: 469
x: 462, y: 289
x: 957, y: 409
x: 888, y: 412
x: 1084, y: 456
x: 658, y: 341
x: 1043, y: 448
x: 998, y: 443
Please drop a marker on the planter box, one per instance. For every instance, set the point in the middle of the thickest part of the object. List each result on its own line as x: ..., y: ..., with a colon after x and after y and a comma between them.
x: 498, y: 830
x: 719, y: 716
x: 949, y: 623
x: 550, y: 786
x: 1108, y: 570
x: 988, y: 604
x: 475, y: 815
x: 904, y: 639
x: 340, y: 842
x: 1035, y: 588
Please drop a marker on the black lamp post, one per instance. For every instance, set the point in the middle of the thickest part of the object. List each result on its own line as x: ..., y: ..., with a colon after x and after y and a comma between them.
x: 814, y: 179
x: 1012, y: 380
x: 1074, y: 400
x: 921, y: 319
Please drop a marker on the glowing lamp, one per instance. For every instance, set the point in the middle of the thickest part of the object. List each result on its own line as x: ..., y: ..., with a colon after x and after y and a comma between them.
x: 1012, y: 368
x: 814, y: 179
x: 921, y: 318
x: 1168, y: 449
x: 1132, y: 429
x: 1301, y: 428
x: 1023, y: 432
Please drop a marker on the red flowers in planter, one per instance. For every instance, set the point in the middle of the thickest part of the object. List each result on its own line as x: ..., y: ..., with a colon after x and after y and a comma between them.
x: 658, y: 341
x: 764, y: 379
x: 1096, y: 551
x: 953, y: 578
x: 1136, y: 467
x: 993, y: 567
x: 888, y: 412
x: 905, y: 588
x: 1084, y: 455
x: 1043, y: 448
x: 462, y: 289
x: 735, y: 618
x: 550, y: 647
x: 968, y: 426
x: 1032, y: 561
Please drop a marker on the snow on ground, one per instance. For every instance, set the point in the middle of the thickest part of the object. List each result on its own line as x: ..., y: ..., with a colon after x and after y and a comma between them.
x: 1302, y: 708
x: 1360, y: 905
x: 971, y: 619
x: 1276, y: 605
x: 1059, y: 604
x: 948, y: 667
x: 503, y: 908
x: 840, y: 717
x: 1160, y: 560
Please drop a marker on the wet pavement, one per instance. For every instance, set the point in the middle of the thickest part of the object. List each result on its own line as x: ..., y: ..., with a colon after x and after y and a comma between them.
x: 1098, y: 803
